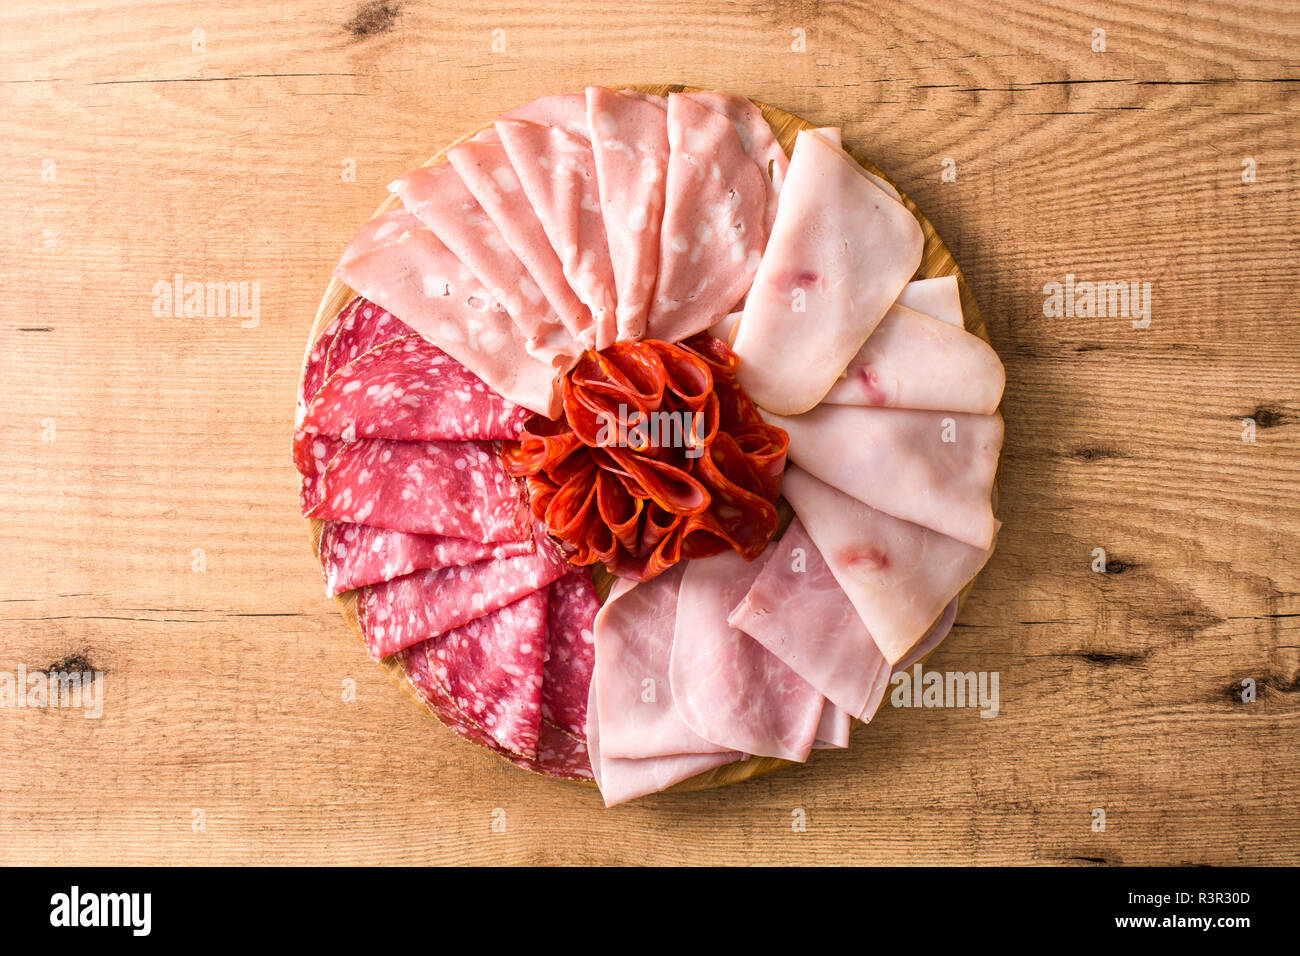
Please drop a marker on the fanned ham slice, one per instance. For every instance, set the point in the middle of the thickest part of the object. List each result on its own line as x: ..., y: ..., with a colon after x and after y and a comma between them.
x: 413, y: 275
x: 935, y: 469
x: 558, y: 173
x: 621, y: 780
x: 439, y: 199
x: 634, y: 637
x: 757, y: 139
x: 932, y: 639
x: 832, y: 728
x: 728, y: 688
x: 485, y: 169
x: 570, y: 651
x: 458, y: 489
x: 629, y: 137
x: 840, y: 253
x: 798, y: 611
x: 354, y: 555
x: 492, y: 668
x: 913, y: 360
x: 713, y: 234
x: 424, y: 605
x: 898, y: 575
x: 939, y: 297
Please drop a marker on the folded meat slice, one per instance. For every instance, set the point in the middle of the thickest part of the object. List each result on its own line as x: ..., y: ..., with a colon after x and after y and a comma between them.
x: 484, y: 167
x: 797, y: 610
x: 913, y: 360
x: 757, y: 139
x: 832, y: 728
x: 629, y: 137
x: 438, y: 197
x: 621, y: 780
x: 840, y: 253
x: 728, y: 687
x: 634, y: 639
x: 570, y: 650
x: 558, y: 173
x: 567, y: 111
x: 713, y: 234
x: 939, y: 297
x: 931, y: 640
x: 935, y: 469
x: 899, y: 576
x: 409, y: 272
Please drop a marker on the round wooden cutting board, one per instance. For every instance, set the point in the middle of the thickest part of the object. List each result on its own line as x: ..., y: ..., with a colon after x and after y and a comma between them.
x: 936, y: 261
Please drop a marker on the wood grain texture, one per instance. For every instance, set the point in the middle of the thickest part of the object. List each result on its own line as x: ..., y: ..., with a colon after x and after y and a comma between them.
x: 224, y: 688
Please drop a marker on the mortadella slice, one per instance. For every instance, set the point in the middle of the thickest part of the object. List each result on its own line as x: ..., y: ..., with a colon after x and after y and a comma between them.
x: 935, y: 469
x: 713, y: 234
x: 634, y: 639
x: 840, y: 253
x: 757, y: 139
x: 629, y: 137
x: 898, y: 575
x: 437, y: 196
x: 484, y: 167
x: 413, y: 275
x: 728, y: 688
x: 558, y: 173
x: 913, y: 360
x: 566, y: 111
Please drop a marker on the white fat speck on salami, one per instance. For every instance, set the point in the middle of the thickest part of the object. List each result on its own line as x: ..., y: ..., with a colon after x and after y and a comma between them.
x: 459, y: 489
x: 355, y: 555
x: 492, y: 667
x: 570, y: 651
x: 427, y: 604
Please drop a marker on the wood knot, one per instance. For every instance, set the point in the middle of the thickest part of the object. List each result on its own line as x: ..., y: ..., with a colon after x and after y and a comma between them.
x: 373, y: 18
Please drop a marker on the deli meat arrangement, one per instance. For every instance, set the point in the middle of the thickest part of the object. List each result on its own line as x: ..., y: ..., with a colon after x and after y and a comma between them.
x: 639, y: 446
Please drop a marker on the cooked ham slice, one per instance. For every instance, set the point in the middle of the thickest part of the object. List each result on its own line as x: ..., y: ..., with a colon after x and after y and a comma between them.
x: 406, y: 270
x: 939, y: 465
x: 713, y: 234
x: 939, y: 297
x: 931, y: 640
x: 437, y: 196
x: 485, y: 169
x: 913, y: 360
x: 840, y: 253
x: 832, y: 728
x: 898, y: 575
x: 558, y: 173
x: 629, y: 137
x: 728, y: 688
x: 634, y: 638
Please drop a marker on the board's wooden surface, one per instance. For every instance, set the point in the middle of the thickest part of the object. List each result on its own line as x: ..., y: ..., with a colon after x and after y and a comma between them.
x: 143, y: 447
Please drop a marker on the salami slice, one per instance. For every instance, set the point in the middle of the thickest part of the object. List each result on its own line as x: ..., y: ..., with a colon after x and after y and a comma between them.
x: 354, y: 555
x: 427, y: 604
x: 492, y: 667
x: 452, y: 488
x: 312, y: 458
x: 365, y: 326
x: 314, y: 372
x: 570, y: 651
x: 408, y: 389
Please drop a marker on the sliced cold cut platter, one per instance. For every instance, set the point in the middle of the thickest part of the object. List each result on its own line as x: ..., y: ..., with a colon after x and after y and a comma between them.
x: 644, y: 433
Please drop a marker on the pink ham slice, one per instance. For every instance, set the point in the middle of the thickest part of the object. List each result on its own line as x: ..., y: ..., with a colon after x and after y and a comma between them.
x: 621, y: 780
x: 914, y: 361
x: 832, y: 728
x: 492, y: 668
x: 630, y: 143
x: 458, y: 489
x: 427, y: 604
x: 713, y: 234
x: 354, y: 555
x: 485, y: 169
x: 898, y: 575
x: 570, y: 651
x: 756, y: 138
x: 932, y: 640
x: 797, y: 610
x: 728, y: 688
x: 840, y: 253
x: 940, y: 465
x: 439, y: 199
x: 634, y: 638
x: 558, y: 173
x: 939, y: 297
x: 413, y: 275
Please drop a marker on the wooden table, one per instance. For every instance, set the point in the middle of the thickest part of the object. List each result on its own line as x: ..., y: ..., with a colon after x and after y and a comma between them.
x: 149, y: 523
